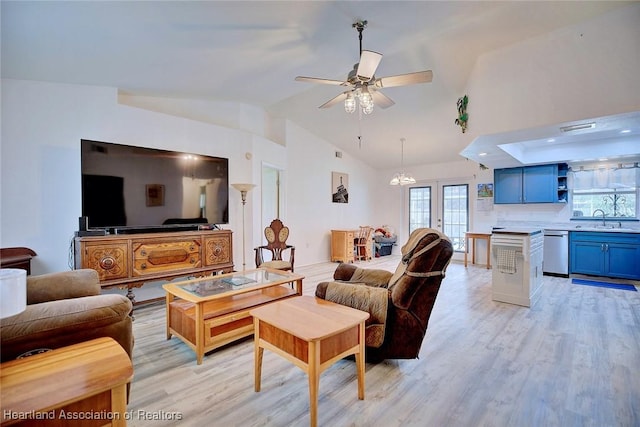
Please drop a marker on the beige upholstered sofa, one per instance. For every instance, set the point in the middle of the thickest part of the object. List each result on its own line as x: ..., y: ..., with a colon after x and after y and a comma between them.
x: 63, y: 309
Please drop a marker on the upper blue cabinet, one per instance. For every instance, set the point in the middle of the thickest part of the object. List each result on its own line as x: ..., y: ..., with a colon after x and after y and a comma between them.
x: 531, y: 184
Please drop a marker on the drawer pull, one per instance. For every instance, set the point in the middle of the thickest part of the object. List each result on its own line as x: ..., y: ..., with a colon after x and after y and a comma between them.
x: 217, y: 251
x: 107, y: 263
x: 143, y: 265
x: 143, y: 252
x: 191, y: 248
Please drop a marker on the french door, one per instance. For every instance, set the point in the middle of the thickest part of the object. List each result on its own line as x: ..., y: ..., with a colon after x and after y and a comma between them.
x: 443, y: 206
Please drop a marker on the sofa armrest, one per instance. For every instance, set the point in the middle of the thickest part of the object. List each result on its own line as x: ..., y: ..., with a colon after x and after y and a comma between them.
x: 62, y: 285
x: 373, y: 300
x: 56, y: 324
x: 369, y: 276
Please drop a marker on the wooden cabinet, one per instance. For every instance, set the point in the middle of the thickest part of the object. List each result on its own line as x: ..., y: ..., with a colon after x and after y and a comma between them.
x: 128, y: 261
x: 342, y: 246
x: 605, y: 254
x: 531, y: 184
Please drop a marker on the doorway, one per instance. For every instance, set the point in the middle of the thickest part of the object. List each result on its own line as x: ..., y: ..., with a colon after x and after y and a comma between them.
x: 443, y: 205
x: 272, y: 194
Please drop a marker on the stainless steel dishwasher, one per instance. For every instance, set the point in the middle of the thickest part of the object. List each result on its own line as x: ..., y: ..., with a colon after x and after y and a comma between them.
x: 556, y: 252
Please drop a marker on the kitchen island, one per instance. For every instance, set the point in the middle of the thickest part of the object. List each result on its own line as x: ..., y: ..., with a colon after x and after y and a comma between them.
x: 517, y: 260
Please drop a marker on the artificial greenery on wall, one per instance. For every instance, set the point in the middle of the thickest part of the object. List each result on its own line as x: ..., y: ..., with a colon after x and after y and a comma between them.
x: 462, y: 113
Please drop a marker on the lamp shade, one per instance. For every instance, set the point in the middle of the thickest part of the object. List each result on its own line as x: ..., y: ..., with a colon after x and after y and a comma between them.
x: 243, y: 187
x: 13, y: 291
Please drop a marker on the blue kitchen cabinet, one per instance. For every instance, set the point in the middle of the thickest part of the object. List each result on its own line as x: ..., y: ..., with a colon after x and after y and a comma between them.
x: 507, y: 186
x: 530, y: 184
x: 605, y: 254
x: 586, y: 258
x: 540, y: 184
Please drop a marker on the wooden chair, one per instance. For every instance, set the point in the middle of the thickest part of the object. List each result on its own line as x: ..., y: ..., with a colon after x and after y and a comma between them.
x: 361, y: 241
x: 276, y: 235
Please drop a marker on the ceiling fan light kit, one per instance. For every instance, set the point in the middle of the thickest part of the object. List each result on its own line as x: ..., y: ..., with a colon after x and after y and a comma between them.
x: 365, y: 87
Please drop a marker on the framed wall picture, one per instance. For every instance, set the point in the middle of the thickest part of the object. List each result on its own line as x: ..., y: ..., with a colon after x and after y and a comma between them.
x: 155, y: 194
x: 340, y: 187
x: 485, y: 190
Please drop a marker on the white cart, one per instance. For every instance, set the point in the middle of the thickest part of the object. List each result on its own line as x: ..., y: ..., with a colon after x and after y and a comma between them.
x: 517, y: 265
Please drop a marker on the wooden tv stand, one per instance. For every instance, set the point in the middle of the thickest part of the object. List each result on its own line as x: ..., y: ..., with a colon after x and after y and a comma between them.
x: 128, y: 261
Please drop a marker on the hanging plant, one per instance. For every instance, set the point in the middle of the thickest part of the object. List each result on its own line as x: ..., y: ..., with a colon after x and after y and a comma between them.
x: 462, y: 113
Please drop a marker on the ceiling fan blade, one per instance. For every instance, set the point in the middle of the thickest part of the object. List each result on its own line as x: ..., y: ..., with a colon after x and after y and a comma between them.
x: 335, y: 100
x: 381, y: 100
x: 405, y: 79
x: 320, y: 81
x: 368, y: 64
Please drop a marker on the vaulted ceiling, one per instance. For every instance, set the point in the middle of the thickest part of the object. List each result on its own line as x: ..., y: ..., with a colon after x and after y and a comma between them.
x: 250, y: 52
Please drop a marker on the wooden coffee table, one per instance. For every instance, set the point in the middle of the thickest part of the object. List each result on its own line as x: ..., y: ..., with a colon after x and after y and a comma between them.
x: 312, y: 334
x: 213, y: 311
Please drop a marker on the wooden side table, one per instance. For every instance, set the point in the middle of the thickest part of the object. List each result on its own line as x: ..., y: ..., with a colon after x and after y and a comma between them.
x: 473, y: 237
x: 329, y: 332
x: 16, y: 258
x: 83, y: 384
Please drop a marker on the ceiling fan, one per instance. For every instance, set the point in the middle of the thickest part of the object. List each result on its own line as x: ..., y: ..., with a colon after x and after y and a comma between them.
x: 364, y: 86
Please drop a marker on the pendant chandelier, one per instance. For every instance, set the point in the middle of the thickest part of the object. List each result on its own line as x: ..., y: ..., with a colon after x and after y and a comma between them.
x: 401, y: 178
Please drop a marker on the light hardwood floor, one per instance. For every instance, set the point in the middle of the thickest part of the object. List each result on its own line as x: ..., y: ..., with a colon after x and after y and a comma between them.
x: 571, y: 360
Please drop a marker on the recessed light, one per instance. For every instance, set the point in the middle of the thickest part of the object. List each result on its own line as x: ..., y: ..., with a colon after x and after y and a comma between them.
x: 551, y: 140
x: 604, y: 159
x: 482, y: 154
x: 625, y: 131
x: 580, y: 126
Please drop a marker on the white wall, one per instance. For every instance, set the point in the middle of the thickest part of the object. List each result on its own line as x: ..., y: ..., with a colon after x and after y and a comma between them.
x: 579, y: 72
x: 43, y: 124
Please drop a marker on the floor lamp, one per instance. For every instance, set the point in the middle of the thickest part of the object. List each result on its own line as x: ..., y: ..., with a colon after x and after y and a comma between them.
x: 243, y: 189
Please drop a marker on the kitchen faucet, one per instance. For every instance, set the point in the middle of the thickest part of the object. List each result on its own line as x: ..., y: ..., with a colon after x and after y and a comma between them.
x: 603, y: 215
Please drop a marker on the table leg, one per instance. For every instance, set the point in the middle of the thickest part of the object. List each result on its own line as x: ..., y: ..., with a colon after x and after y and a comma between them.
x: 473, y: 250
x: 314, y: 381
x: 489, y: 253
x: 360, y: 365
x: 119, y: 405
x: 169, y: 299
x: 199, y: 333
x: 466, y: 249
x: 257, y: 357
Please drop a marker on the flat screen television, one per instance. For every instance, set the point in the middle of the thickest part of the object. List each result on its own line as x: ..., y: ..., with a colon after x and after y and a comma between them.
x: 128, y: 189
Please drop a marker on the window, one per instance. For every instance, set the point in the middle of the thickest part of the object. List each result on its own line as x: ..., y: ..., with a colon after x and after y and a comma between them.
x: 614, y: 203
x: 613, y: 191
x: 419, y: 208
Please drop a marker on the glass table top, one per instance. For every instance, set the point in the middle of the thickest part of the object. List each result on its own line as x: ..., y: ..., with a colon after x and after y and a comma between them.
x: 231, y: 282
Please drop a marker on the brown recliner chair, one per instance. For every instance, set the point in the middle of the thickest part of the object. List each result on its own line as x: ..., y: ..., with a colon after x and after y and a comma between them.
x: 63, y: 309
x: 399, y: 303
